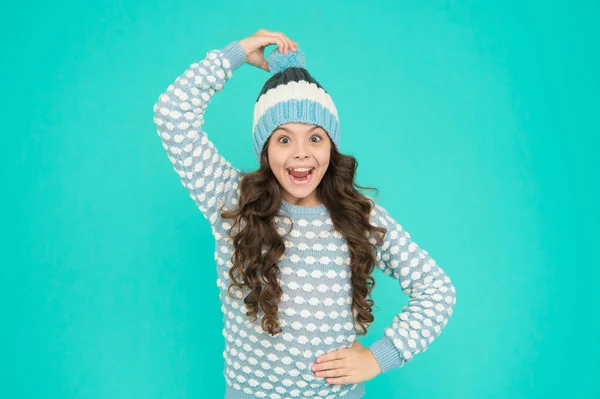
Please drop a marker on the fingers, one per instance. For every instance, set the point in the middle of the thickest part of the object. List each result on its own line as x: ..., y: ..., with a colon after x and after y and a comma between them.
x: 341, y: 372
x: 273, y: 39
x: 289, y: 43
x: 284, y: 43
x: 332, y: 364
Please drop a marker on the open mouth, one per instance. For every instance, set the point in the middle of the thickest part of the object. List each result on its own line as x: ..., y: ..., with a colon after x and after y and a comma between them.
x: 301, y: 178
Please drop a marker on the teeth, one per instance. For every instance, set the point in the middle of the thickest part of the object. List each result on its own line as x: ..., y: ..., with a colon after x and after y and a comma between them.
x: 301, y: 169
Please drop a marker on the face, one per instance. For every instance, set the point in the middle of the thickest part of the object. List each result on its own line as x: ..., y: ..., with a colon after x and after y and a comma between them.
x: 299, y: 145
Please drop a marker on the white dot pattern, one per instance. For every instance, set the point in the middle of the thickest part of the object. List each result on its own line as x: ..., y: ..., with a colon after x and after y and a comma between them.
x: 315, y: 309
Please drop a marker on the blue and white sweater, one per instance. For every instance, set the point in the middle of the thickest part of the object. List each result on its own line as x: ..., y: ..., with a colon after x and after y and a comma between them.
x: 314, y: 312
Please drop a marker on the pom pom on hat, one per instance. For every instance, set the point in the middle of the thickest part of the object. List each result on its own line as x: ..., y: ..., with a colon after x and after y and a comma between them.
x: 280, y: 61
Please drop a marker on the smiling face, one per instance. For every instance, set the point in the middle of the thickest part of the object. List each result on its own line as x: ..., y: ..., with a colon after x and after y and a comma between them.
x: 293, y: 148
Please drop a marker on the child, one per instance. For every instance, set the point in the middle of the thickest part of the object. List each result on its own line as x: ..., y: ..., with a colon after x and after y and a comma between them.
x: 296, y: 243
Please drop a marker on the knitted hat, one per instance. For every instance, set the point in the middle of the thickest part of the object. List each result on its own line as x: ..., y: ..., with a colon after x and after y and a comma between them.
x: 292, y: 95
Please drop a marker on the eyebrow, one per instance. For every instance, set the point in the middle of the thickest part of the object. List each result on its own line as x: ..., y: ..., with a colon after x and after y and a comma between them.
x: 289, y: 131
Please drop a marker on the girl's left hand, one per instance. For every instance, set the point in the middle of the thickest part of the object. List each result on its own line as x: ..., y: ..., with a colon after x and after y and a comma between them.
x: 348, y: 365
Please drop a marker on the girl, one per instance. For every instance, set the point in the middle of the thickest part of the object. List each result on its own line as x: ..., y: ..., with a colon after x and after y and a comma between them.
x: 296, y: 243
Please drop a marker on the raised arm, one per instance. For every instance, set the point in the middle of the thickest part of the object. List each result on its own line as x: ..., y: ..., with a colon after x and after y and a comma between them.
x: 432, y: 295
x: 179, y: 115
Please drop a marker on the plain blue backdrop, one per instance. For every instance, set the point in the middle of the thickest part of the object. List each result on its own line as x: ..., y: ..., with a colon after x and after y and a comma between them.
x: 477, y: 121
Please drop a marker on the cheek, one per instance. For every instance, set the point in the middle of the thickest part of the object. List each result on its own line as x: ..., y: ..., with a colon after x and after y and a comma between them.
x: 324, y: 159
x: 274, y: 161
x: 277, y: 167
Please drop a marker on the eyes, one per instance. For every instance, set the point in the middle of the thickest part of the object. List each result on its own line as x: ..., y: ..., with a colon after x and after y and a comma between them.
x: 313, y: 136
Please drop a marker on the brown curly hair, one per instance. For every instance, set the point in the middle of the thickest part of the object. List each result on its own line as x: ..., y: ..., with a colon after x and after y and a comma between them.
x: 259, y: 246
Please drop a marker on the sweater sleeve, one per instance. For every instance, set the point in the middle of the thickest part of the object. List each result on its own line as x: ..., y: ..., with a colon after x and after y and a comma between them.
x: 179, y: 116
x: 432, y: 295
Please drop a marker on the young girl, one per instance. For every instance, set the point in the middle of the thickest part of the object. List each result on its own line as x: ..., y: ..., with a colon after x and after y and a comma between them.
x: 296, y: 243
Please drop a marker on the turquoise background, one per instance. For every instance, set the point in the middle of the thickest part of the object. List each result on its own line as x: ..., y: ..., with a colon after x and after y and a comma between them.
x: 477, y: 121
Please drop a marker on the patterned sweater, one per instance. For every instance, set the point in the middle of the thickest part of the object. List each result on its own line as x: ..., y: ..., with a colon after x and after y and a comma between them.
x: 315, y: 310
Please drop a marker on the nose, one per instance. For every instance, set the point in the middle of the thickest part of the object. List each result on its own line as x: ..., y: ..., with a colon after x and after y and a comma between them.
x: 300, y: 151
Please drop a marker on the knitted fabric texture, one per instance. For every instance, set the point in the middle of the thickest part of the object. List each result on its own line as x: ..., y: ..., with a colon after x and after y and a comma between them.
x: 292, y: 95
x: 315, y: 310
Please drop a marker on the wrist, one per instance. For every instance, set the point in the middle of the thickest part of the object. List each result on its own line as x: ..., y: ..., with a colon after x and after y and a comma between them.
x: 235, y: 54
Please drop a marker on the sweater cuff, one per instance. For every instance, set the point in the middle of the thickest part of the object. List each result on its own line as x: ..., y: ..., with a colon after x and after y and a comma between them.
x: 386, y: 354
x: 234, y: 53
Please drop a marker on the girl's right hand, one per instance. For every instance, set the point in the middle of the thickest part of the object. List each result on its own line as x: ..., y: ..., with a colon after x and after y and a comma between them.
x: 254, y: 46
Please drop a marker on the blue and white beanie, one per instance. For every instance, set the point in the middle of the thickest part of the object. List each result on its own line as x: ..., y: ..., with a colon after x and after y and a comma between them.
x: 292, y: 95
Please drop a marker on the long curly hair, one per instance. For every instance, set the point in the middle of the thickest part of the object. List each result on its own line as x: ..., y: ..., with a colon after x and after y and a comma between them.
x: 259, y: 246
